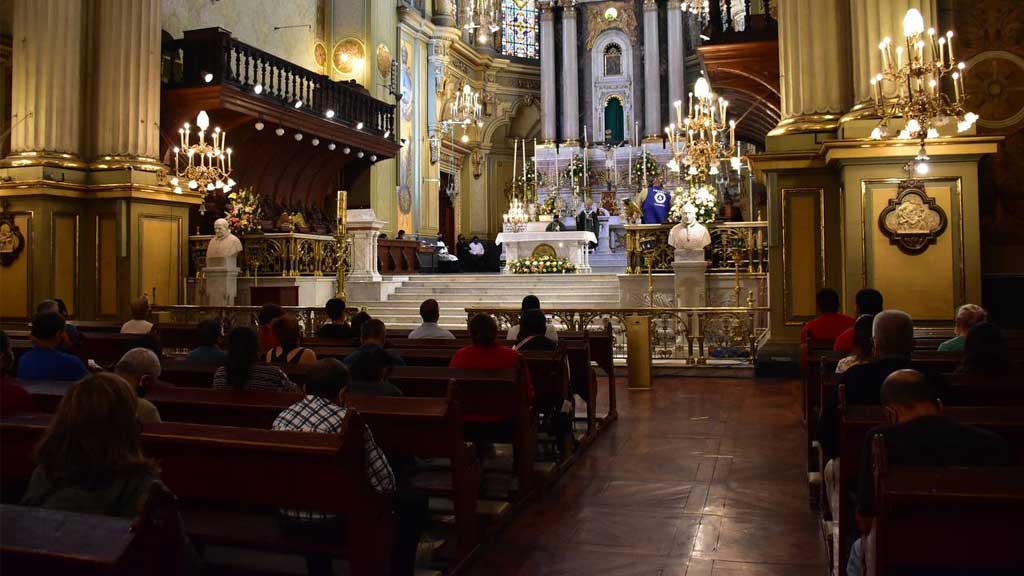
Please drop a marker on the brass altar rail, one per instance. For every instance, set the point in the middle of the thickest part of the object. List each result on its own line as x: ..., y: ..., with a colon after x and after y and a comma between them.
x: 735, y: 246
x: 695, y: 334
x: 276, y: 254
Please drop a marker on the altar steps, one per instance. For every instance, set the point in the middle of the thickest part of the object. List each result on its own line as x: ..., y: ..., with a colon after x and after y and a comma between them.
x: 456, y: 292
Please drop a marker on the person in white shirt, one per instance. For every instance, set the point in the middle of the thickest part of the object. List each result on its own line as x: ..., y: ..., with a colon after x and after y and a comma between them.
x: 138, y: 324
x: 476, y: 255
x: 429, y: 330
x: 531, y: 302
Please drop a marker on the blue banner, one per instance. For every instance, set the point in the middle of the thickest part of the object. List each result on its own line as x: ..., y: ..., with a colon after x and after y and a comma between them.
x: 656, y: 206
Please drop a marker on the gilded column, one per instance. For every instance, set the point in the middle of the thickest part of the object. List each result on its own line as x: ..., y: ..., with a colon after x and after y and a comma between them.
x: 652, y: 74
x: 547, y: 72
x: 570, y: 79
x: 676, y: 47
x: 444, y: 13
x: 814, y: 65
x: 126, y: 87
x: 46, y: 83
x: 870, y: 22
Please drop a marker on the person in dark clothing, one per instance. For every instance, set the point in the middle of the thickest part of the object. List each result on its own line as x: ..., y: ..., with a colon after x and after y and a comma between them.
x: 338, y: 327
x: 555, y: 225
x: 357, y: 327
x: 986, y: 355
x: 532, y: 330
x: 267, y: 314
x: 289, y: 351
x: 869, y: 302
x: 370, y: 372
x: 210, y: 339
x: 374, y: 336
x: 918, y: 435
x: 45, y: 361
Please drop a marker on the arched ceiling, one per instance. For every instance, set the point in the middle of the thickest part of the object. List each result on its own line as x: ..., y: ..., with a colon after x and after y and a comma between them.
x: 747, y: 75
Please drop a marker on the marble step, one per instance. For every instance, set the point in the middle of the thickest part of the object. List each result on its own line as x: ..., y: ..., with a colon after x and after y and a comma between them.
x: 450, y: 307
x: 498, y: 293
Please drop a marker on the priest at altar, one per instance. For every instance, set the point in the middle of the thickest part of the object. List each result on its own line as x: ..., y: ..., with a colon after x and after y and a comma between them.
x: 569, y: 245
x: 586, y: 221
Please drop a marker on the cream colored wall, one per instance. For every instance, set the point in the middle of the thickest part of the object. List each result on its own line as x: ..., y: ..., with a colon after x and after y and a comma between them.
x: 381, y: 26
x: 252, y: 22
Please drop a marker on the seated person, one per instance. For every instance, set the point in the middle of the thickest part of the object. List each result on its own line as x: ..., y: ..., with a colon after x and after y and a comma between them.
x: 863, y: 349
x: 968, y: 315
x: 323, y: 410
x: 338, y: 327
x: 242, y: 370
x: 140, y: 312
x: 267, y: 314
x: 986, y: 355
x: 430, y: 312
x: 919, y: 435
x: 14, y: 399
x: 729, y: 212
x: 90, y: 459
x: 827, y: 325
x: 530, y: 302
x: 532, y: 330
x: 288, y: 352
x: 370, y: 373
x: 555, y: 225
x: 400, y: 235
x: 477, y: 256
x: 484, y: 353
x: 57, y: 305
x: 447, y: 262
x: 208, y: 351
x: 358, y: 320
x: 45, y: 361
x: 869, y: 302
x: 140, y: 368
x: 374, y: 337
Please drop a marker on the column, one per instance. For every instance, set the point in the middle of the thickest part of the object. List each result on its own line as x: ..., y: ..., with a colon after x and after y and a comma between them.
x: 547, y: 73
x: 444, y: 13
x: 870, y: 22
x: 652, y: 76
x: 676, y: 48
x: 815, y: 81
x: 570, y: 79
x: 126, y: 85
x: 46, y: 81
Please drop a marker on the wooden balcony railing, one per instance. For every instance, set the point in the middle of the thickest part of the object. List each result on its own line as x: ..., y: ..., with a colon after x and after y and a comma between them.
x: 756, y: 24
x: 213, y: 56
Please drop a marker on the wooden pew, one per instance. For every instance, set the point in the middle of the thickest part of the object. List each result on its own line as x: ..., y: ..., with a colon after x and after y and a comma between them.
x: 944, y: 519
x: 856, y: 421
x: 232, y: 481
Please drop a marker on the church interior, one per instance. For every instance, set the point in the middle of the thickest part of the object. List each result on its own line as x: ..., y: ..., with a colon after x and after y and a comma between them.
x: 524, y: 287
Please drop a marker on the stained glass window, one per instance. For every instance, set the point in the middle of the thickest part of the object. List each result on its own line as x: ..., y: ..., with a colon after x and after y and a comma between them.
x: 519, y: 37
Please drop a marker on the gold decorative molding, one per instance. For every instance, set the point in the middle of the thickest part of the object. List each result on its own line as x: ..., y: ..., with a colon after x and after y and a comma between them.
x: 789, y: 316
x: 912, y: 220
x: 968, y: 146
x: 384, y: 60
x: 806, y: 123
x: 598, y: 24
x: 347, y: 56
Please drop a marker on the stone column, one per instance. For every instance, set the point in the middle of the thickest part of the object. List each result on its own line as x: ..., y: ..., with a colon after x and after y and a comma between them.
x: 676, y: 46
x: 652, y: 76
x: 690, y: 284
x: 813, y: 63
x: 870, y: 22
x: 570, y: 78
x: 46, y: 84
x: 126, y: 86
x: 444, y: 13
x: 548, y: 98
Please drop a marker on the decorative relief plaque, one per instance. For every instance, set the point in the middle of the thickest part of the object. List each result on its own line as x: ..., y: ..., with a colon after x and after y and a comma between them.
x: 913, y: 221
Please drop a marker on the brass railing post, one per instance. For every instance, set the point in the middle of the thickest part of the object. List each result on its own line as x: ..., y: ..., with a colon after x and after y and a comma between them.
x: 342, y: 238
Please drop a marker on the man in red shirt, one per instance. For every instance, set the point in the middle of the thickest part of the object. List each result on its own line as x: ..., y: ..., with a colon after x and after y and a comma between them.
x: 484, y: 354
x: 828, y: 325
x: 869, y: 301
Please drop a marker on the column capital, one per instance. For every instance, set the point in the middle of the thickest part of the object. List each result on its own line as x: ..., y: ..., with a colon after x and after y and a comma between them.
x: 651, y: 4
x: 568, y: 4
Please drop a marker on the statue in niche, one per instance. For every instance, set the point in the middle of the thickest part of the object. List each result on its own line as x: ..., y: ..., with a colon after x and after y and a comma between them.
x: 689, y: 237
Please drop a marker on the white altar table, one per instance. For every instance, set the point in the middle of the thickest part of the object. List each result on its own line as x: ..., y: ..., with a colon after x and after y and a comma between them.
x: 569, y: 245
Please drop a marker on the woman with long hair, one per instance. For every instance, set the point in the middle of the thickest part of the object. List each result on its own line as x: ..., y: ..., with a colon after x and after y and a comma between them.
x: 242, y: 371
x: 863, y: 347
x: 289, y: 351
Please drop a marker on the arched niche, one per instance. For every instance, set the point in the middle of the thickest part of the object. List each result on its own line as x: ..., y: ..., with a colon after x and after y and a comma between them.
x: 610, y: 82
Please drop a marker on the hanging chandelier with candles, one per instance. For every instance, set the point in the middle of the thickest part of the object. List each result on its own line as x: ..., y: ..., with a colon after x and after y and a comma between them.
x: 698, y: 141
x: 912, y: 85
x: 482, y: 19
x: 203, y: 164
x: 463, y: 111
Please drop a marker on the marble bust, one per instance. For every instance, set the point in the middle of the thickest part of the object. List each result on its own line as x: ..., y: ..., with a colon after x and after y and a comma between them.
x: 223, y: 249
x: 689, y: 237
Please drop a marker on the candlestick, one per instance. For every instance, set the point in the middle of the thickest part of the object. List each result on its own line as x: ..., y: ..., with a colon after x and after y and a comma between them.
x: 942, y: 51
x: 956, y: 85
x: 949, y: 42
x: 515, y: 158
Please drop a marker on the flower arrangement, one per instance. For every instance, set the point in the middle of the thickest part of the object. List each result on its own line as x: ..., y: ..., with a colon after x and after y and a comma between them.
x: 243, y: 210
x: 541, y: 265
x: 637, y: 168
x: 552, y: 204
x: 702, y: 198
x: 574, y: 170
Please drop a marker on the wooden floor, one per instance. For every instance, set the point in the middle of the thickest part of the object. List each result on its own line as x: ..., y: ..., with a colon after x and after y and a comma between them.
x: 698, y: 477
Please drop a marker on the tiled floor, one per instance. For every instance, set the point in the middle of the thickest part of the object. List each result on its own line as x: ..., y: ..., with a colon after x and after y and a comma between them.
x: 697, y: 478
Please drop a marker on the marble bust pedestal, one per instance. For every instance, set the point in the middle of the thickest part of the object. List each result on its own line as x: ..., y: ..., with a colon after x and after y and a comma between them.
x: 221, y: 275
x: 690, y: 285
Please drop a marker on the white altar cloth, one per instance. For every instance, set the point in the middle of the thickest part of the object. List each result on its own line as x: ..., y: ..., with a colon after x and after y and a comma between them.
x: 569, y: 245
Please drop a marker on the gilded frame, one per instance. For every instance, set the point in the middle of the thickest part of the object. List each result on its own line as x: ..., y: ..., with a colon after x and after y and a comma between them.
x: 788, y: 317
x: 54, y: 216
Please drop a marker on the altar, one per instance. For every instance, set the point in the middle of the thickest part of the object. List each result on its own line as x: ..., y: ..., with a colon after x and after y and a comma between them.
x: 569, y: 245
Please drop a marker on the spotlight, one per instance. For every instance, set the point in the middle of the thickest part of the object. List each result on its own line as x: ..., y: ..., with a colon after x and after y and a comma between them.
x: 332, y: 146
x: 373, y: 158
x: 258, y: 89
x: 315, y: 142
x: 346, y: 150
x: 360, y: 154
x: 329, y: 113
x: 298, y: 103
x: 207, y: 77
x: 259, y: 125
x: 359, y: 126
x: 279, y: 131
x: 298, y: 136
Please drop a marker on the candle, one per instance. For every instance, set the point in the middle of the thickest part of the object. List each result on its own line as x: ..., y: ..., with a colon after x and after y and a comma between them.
x: 629, y: 167
x: 176, y: 155
x: 515, y: 156
x: 956, y: 84
x: 558, y: 177
x: 882, y: 49
x: 229, y: 159
x: 899, y: 57
x: 679, y: 111
x: 949, y: 43
x: 942, y: 51
x: 691, y: 104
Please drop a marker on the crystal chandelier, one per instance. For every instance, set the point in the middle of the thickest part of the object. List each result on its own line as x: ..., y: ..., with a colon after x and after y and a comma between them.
x: 464, y: 110
x: 207, y: 162
x: 910, y: 85
x: 698, y: 141
x: 482, y: 18
x: 516, y: 218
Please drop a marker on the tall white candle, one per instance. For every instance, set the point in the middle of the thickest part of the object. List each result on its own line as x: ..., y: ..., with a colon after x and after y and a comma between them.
x: 515, y: 160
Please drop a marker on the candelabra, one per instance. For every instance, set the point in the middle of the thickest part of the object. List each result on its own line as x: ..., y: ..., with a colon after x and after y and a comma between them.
x: 910, y: 85
x: 482, y: 17
x: 516, y: 218
x: 464, y: 110
x: 698, y: 140
x: 208, y: 160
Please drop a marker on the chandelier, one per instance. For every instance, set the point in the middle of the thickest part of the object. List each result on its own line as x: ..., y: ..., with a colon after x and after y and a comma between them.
x: 207, y: 162
x: 698, y: 141
x: 911, y: 85
x: 482, y: 18
x: 464, y: 111
x: 516, y: 218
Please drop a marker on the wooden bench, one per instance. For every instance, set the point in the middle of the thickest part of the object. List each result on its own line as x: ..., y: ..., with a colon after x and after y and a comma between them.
x: 232, y: 481
x: 944, y: 519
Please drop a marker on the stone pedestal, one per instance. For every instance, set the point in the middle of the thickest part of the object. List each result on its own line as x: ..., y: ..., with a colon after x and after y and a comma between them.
x: 603, y: 244
x: 690, y: 286
x: 221, y: 285
x: 637, y: 290
x: 364, y: 228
